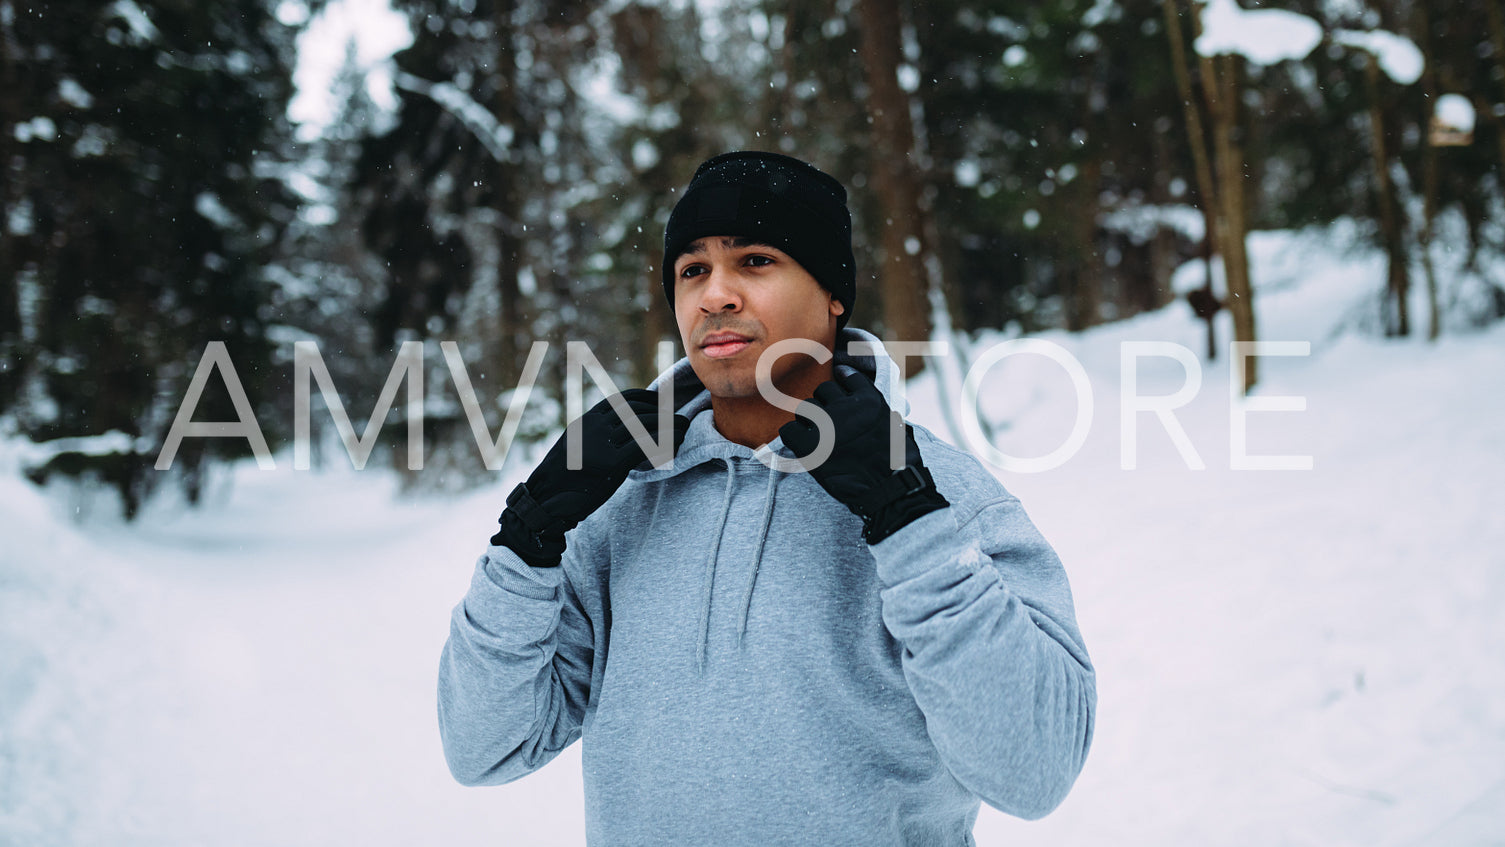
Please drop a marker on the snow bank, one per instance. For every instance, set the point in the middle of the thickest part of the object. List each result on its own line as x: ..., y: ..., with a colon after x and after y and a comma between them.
x: 68, y: 665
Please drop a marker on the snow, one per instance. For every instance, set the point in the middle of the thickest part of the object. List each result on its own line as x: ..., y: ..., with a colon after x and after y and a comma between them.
x: 34, y: 454
x: 644, y: 154
x: 601, y: 89
x: 1306, y: 658
x: 140, y: 24
x: 208, y: 204
x: 70, y: 92
x: 1263, y: 36
x: 1101, y: 12
x: 967, y: 173
x: 1455, y: 112
x: 40, y: 127
x: 1297, y: 657
x: 1267, y: 36
x: 1398, y: 56
x: 19, y: 218
x: 1338, y: 10
x: 909, y: 78
x: 1142, y: 222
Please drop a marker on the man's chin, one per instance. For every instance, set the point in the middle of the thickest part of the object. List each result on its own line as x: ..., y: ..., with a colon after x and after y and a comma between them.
x: 724, y: 381
x: 732, y: 389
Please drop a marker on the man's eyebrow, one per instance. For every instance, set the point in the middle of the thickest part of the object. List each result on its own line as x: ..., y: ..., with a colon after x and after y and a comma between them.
x: 743, y: 241
x: 727, y: 243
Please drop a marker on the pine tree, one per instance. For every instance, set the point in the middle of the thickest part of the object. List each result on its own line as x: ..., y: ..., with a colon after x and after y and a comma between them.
x: 142, y: 208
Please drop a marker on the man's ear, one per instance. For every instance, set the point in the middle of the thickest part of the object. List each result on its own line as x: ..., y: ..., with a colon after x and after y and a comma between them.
x: 836, y: 307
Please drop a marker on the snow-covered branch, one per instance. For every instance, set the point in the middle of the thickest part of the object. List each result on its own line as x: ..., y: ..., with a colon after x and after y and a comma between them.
x: 1267, y: 36
x: 1263, y: 36
x: 1398, y: 57
x: 495, y: 136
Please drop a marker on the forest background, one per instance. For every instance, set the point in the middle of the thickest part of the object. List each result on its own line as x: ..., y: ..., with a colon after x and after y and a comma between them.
x: 1014, y: 166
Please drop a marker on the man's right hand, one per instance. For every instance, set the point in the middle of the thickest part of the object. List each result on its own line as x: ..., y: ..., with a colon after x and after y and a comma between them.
x: 556, y: 498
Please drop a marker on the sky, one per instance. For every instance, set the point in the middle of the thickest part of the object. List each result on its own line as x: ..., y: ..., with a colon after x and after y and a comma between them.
x: 376, y: 31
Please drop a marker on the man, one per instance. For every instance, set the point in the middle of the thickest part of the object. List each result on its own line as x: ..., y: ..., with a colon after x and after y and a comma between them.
x: 754, y: 654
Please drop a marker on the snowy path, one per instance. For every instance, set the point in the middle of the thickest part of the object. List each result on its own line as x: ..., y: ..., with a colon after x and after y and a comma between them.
x: 282, y: 651
x: 1284, y: 657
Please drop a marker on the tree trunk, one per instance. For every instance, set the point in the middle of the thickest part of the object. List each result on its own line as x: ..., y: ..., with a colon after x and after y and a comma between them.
x: 1429, y: 171
x: 11, y: 191
x: 896, y: 179
x: 1497, y: 40
x: 1084, y: 298
x: 1196, y: 136
x: 658, y: 324
x: 1220, y: 85
x: 1197, y: 141
x: 511, y: 330
x: 945, y: 307
x: 1162, y: 261
x: 1397, y: 288
x: 1160, y: 252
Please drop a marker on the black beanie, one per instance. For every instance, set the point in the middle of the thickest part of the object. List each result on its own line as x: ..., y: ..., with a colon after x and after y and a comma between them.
x: 778, y: 200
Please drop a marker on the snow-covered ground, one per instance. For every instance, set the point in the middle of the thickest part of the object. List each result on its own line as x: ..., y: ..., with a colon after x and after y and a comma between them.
x: 1284, y: 657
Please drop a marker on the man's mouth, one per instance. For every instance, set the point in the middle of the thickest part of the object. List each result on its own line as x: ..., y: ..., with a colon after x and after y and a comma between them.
x: 722, y: 344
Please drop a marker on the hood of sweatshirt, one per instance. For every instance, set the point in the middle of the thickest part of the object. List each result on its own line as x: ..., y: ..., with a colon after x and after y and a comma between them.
x: 856, y: 351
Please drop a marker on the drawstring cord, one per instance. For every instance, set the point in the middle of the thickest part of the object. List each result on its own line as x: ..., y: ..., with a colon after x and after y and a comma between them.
x: 710, y: 568
x: 757, y: 559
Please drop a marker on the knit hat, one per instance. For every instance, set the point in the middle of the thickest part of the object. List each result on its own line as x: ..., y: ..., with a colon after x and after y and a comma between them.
x: 778, y: 200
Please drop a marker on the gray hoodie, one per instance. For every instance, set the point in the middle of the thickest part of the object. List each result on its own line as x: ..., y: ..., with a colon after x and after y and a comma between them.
x: 744, y: 669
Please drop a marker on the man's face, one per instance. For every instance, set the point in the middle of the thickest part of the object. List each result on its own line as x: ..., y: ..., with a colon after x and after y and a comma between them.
x: 733, y: 297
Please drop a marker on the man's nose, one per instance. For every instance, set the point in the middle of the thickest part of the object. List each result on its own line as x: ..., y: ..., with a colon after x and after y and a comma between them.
x: 720, y: 293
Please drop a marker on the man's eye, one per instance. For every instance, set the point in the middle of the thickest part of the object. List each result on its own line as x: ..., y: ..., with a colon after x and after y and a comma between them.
x: 757, y: 260
x: 691, y: 271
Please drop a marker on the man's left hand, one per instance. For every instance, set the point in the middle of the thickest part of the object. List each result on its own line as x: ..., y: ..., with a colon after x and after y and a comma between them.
x: 857, y: 473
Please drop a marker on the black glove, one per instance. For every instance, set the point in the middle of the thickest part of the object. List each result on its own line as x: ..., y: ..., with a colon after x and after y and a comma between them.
x: 555, y: 498
x: 857, y: 473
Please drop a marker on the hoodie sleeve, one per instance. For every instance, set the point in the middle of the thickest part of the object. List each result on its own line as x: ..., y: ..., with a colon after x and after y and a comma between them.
x: 514, y: 676
x: 992, y: 653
